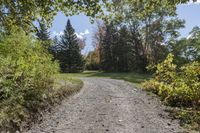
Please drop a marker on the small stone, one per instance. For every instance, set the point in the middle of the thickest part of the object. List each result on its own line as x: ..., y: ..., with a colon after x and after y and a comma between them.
x: 142, y: 126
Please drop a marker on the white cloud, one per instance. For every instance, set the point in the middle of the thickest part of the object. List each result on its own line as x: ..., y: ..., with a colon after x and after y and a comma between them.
x: 87, y: 31
x: 79, y: 35
x: 57, y: 34
x: 82, y: 34
x: 189, y: 36
x: 191, y: 2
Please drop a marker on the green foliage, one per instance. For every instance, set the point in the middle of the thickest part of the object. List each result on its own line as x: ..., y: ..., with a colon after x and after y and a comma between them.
x: 108, y: 41
x: 24, y: 12
x: 151, y: 23
x: 120, y: 50
x: 92, y: 61
x: 43, y: 35
x: 189, y: 117
x: 69, y: 52
x: 26, y: 75
x: 186, y: 50
x: 179, y: 87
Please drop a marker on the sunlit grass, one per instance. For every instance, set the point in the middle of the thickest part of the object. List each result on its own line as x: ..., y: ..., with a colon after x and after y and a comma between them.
x: 132, y: 77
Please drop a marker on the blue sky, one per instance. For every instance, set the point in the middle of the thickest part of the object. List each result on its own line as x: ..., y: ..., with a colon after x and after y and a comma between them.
x: 190, y: 13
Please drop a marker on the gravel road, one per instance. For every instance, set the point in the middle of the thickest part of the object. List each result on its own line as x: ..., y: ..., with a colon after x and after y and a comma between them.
x: 108, y: 106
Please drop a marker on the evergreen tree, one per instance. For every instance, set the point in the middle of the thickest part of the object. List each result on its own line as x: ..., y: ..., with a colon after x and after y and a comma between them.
x: 54, y: 48
x: 106, y: 50
x: 44, y: 35
x: 121, y: 50
x: 70, y: 54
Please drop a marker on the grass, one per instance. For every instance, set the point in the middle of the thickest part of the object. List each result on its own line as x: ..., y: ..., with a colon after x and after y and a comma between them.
x: 63, y: 88
x: 132, y: 77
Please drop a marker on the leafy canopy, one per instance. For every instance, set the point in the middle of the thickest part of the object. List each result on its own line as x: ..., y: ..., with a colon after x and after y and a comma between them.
x: 24, y: 12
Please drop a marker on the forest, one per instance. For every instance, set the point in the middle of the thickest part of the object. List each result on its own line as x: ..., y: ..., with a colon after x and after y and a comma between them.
x: 130, y: 36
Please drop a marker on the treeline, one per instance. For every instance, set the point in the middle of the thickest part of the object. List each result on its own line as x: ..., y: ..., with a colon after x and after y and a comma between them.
x: 65, y: 49
x: 117, y: 50
x: 135, y: 40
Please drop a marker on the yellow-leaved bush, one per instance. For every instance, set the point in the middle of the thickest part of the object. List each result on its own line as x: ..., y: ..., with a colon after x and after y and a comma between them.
x: 26, y: 74
x: 177, y: 86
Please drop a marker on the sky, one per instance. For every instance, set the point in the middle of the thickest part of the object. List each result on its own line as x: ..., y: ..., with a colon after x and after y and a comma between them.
x: 84, y: 29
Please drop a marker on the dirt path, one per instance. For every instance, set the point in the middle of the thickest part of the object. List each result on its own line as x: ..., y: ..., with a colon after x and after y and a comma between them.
x: 108, y: 106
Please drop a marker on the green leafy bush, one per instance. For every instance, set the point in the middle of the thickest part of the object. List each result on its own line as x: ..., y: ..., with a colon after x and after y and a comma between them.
x: 26, y: 75
x: 179, y: 87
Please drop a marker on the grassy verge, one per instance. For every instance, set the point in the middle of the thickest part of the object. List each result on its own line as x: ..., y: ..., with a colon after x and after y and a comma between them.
x: 63, y: 87
x: 132, y: 77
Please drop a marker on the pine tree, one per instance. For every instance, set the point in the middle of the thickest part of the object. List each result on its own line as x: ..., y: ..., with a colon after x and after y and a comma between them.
x: 54, y: 48
x: 70, y: 54
x: 106, y: 50
x: 44, y: 35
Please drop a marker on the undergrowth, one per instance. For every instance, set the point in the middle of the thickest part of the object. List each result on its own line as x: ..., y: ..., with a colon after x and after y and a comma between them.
x: 179, y: 87
x: 27, y: 80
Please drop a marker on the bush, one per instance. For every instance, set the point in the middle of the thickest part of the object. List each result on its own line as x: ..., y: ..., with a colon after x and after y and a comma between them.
x: 26, y: 75
x: 179, y: 87
x: 92, y: 66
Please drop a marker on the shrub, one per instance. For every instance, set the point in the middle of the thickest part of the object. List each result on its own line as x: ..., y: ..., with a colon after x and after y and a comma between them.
x: 92, y: 66
x: 179, y: 87
x: 26, y: 75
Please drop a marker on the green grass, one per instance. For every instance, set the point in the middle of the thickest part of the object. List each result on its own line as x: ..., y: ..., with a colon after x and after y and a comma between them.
x: 132, y: 77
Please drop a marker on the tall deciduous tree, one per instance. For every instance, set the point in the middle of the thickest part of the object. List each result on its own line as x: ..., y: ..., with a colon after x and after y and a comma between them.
x: 187, y: 49
x: 70, y: 54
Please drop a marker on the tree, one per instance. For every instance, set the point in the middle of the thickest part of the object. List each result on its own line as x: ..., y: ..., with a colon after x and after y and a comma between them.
x: 44, y: 35
x: 70, y: 55
x: 193, y: 48
x: 152, y: 27
x: 54, y: 49
x: 92, y: 60
x: 98, y: 39
x: 23, y: 13
x: 82, y: 43
x: 107, y: 63
x: 187, y: 49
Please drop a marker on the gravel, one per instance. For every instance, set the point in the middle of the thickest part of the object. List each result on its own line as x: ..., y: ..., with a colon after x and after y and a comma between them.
x: 108, y: 106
